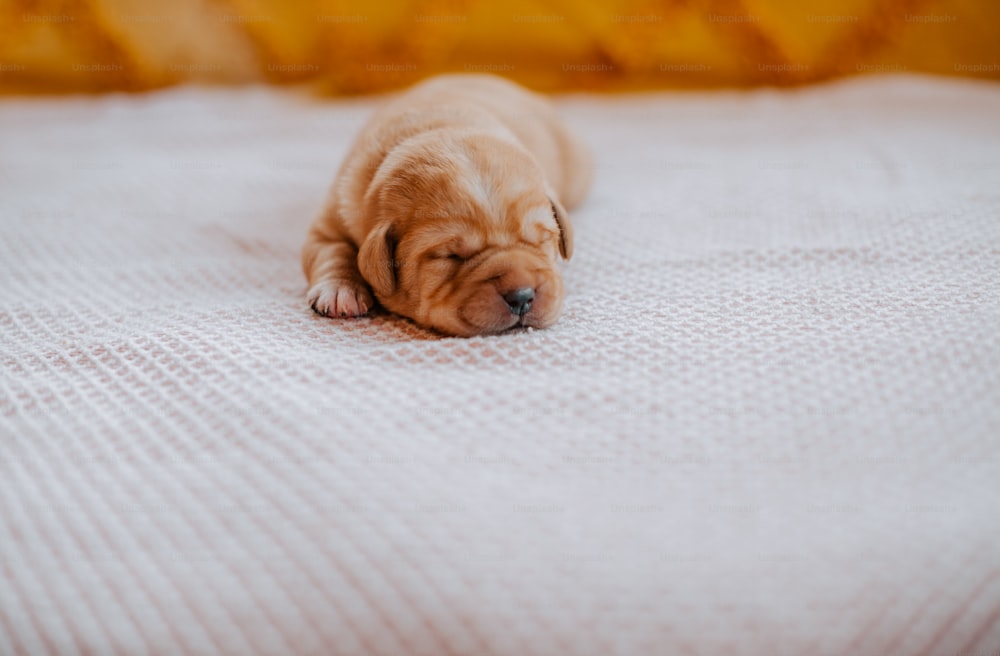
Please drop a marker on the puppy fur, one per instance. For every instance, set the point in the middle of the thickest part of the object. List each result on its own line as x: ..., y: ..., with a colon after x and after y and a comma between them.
x: 452, y: 198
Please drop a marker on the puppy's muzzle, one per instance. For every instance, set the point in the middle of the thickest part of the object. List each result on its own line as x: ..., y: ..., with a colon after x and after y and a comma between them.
x: 519, y: 300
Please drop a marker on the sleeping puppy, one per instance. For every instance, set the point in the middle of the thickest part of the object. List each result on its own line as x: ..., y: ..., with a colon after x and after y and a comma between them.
x: 450, y: 210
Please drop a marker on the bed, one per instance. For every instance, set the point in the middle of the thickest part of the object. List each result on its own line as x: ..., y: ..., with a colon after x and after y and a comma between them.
x: 767, y: 423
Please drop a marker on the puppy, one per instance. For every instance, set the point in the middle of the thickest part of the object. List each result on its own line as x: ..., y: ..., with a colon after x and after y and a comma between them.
x: 450, y: 210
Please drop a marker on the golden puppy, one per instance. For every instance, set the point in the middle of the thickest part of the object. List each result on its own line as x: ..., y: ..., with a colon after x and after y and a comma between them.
x: 450, y: 208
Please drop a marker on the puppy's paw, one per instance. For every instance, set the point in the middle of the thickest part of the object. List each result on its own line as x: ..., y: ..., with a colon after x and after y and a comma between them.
x: 339, y: 298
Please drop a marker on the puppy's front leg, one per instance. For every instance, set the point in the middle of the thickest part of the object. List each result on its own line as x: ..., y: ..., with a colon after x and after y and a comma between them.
x: 330, y: 262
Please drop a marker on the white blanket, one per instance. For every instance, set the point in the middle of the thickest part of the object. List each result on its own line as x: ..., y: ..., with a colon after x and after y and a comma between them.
x: 767, y: 422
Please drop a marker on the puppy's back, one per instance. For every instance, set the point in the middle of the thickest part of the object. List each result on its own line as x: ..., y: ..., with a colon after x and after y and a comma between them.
x: 532, y: 119
x: 493, y: 104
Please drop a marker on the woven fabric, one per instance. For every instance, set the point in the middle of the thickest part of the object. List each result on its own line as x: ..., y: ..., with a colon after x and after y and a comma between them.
x: 767, y: 422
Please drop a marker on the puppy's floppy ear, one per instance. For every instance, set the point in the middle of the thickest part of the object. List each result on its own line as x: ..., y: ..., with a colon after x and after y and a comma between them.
x: 377, y: 259
x: 565, y: 228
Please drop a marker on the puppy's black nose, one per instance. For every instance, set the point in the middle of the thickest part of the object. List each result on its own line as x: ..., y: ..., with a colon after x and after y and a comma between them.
x: 519, y: 300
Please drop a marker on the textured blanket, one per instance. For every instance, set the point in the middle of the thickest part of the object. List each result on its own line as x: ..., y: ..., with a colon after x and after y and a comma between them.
x: 767, y: 422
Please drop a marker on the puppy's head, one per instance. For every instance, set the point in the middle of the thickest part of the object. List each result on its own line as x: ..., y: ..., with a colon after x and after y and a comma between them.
x: 466, y: 236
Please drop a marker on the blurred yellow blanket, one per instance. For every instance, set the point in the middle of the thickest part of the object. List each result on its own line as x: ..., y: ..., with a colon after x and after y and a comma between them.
x: 353, y: 46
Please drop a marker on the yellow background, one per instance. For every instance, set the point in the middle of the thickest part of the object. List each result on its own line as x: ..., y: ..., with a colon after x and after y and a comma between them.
x: 348, y: 46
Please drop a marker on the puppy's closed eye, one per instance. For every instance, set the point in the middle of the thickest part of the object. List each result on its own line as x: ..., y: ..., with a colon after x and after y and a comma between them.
x: 453, y: 252
x: 444, y: 256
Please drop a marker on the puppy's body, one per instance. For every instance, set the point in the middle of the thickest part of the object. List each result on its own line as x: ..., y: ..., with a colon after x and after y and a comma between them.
x: 450, y: 208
